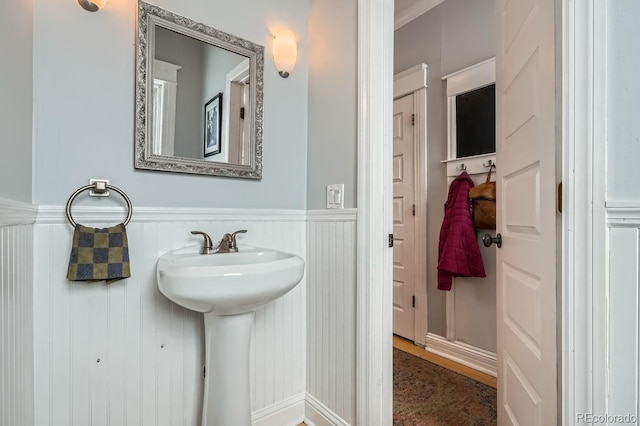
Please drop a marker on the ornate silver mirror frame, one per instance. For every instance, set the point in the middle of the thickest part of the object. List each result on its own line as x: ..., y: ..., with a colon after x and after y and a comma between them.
x: 149, y: 17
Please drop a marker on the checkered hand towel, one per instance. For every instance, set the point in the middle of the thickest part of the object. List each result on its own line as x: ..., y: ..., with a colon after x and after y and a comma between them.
x: 99, y: 254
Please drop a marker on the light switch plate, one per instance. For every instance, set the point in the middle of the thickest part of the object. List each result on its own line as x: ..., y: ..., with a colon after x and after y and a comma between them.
x: 335, y: 196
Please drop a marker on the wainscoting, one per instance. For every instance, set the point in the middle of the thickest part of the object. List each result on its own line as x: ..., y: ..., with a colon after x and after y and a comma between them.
x: 16, y: 312
x: 123, y: 354
x: 331, y: 316
x: 623, y: 305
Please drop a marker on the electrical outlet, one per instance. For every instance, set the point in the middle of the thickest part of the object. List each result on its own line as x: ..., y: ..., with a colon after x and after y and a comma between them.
x: 335, y: 196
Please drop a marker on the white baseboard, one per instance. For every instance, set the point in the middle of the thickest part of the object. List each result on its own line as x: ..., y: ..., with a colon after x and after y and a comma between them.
x: 295, y: 410
x: 288, y: 412
x: 462, y: 353
x: 317, y: 414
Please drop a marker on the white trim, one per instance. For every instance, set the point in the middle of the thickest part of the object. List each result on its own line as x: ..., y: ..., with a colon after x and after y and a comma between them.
x: 631, y: 205
x: 410, y: 81
x: 16, y: 212
x: 473, y: 165
x: 240, y: 73
x: 374, y: 328
x: 450, y: 313
x: 165, y: 85
x: 465, y: 80
x: 288, y: 411
x: 332, y: 215
x: 419, y: 7
x: 623, y: 215
x: 472, y: 77
x: 91, y: 214
x: 420, y: 197
x: 166, y: 71
x: 585, y: 246
x: 317, y: 414
x: 462, y: 353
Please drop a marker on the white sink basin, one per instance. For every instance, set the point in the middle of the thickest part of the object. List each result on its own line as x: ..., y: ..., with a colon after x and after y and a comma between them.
x: 227, y: 283
x: 227, y: 288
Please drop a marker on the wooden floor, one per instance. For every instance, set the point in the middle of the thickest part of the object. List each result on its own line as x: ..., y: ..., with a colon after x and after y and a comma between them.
x: 408, y: 346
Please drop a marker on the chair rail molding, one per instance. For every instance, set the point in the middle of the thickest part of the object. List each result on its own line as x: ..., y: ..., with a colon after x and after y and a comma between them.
x: 96, y: 214
x: 16, y: 212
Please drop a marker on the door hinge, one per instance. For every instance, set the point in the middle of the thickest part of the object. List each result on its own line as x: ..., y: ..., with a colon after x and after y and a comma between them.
x: 390, y: 240
x: 560, y: 197
x: 413, y: 301
x: 242, y: 113
x: 204, y: 371
x: 413, y: 210
x: 413, y: 119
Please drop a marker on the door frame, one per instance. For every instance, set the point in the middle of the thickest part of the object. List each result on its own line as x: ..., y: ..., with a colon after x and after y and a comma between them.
x: 581, y: 31
x: 414, y: 81
x: 583, y: 337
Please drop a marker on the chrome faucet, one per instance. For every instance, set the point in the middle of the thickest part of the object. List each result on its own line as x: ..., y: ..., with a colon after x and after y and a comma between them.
x: 226, y: 245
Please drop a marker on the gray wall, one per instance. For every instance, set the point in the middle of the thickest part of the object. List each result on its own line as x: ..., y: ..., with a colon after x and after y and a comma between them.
x: 217, y: 64
x: 332, y: 100
x: 623, y: 93
x: 187, y: 52
x: 84, y: 95
x: 452, y: 36
x: 16, y: 99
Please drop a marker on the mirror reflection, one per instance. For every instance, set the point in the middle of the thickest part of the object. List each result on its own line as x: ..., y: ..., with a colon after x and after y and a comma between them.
x: 198, y: 98
x: 188, y: 74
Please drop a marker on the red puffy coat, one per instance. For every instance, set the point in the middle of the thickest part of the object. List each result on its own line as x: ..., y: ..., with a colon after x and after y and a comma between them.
x: 458, y: 250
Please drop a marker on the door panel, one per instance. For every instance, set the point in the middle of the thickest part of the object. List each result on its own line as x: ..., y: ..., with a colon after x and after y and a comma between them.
x: 526, y: 217
x: 403, y: 219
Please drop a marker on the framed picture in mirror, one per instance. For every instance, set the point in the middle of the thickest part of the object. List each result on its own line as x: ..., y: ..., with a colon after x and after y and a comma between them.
x: 212, y: 128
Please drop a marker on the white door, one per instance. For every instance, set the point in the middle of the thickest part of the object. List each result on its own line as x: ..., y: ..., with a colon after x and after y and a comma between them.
x: 403, y: 218
x: 526, y: 217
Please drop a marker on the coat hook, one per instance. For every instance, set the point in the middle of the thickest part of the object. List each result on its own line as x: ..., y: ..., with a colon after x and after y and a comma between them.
x: 489, y: 163
x: 461, y: 167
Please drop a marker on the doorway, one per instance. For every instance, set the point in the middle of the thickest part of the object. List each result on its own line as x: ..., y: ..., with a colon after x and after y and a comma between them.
x: 524, y: 26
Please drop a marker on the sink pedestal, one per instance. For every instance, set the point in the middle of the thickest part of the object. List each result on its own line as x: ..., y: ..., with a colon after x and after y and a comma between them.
x: 226, y: 388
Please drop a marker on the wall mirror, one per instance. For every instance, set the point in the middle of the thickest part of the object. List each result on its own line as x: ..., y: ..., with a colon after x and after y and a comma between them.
x: 199, y: 98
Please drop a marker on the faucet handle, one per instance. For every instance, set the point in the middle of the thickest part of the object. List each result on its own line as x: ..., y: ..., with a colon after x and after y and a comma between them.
x: 207, y: 246
x: 232, y: 243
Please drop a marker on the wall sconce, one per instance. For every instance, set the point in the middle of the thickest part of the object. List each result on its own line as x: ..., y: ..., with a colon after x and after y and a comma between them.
x: 93, y: 5
x: 285, y: 52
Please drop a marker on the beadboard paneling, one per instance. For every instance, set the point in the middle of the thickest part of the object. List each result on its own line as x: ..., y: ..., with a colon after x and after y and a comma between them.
x: 623, y: 327
x: 16, y: 324
x: 331, y: 312
x: 123, y: 354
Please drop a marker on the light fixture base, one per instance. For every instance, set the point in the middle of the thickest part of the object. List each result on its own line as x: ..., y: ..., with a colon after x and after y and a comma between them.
x: 283, y: 74
x: 88, y: 5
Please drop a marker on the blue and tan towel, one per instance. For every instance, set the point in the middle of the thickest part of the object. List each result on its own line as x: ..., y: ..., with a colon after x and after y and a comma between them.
x: 99, y: 254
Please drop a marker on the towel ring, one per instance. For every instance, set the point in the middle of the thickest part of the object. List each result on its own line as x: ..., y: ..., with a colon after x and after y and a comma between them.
x: 84, y: 188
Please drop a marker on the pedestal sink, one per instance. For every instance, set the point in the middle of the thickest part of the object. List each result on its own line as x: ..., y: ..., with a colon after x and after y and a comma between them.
x: 227, y: 288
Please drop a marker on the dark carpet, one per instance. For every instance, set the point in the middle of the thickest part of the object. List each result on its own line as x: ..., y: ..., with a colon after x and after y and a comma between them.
x: 425, y: 394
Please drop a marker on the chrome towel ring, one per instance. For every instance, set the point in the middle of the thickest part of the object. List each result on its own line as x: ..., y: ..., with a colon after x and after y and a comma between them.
x: 98, y: 187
